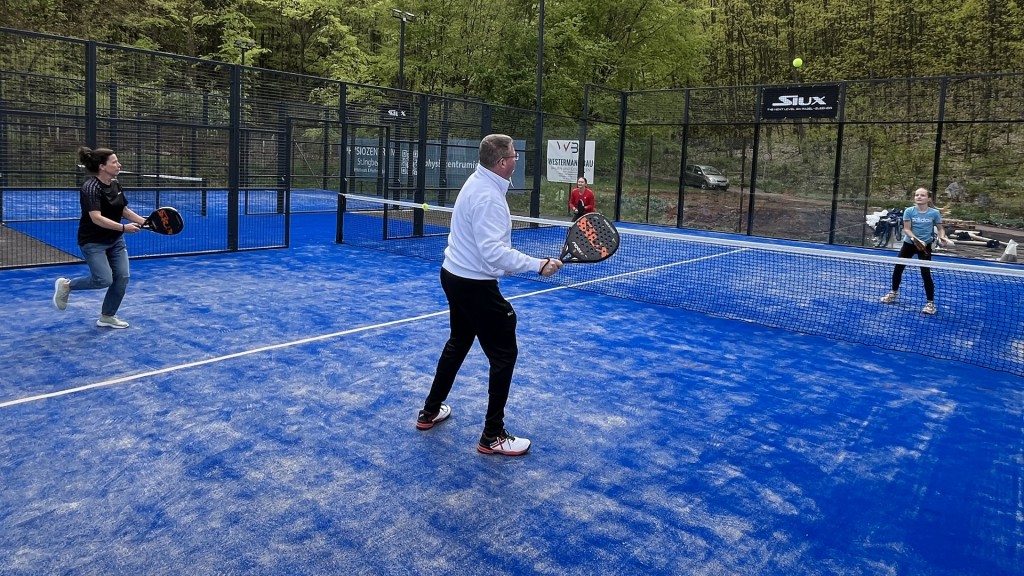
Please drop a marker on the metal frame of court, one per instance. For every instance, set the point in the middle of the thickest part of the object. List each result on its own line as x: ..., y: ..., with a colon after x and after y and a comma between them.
x: 228, y: 127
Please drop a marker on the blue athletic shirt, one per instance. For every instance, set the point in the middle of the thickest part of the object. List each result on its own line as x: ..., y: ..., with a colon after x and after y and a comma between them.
x: 922, y: 224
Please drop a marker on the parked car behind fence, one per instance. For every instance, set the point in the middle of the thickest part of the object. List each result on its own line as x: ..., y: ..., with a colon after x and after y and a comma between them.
x: 706, y: 177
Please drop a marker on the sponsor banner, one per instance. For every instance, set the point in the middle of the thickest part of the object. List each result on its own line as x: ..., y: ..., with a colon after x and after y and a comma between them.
x: 462, y: 158
x: 563, y: 161
x: 800, y: 101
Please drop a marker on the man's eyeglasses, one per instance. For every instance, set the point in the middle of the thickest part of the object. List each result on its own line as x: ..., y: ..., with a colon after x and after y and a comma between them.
x: 516, y: 156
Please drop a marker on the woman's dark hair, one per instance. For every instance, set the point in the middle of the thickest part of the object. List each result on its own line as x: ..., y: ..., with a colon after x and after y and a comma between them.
x: 93, y: 159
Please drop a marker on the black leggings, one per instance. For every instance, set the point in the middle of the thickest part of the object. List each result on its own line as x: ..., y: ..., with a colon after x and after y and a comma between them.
x: 477, y: 310
x: 908, y: 251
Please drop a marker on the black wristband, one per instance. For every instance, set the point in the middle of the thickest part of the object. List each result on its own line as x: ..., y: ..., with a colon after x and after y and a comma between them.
x: 543, y: 266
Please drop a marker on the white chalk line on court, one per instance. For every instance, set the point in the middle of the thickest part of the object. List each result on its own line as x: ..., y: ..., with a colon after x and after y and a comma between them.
x: 214, y: 360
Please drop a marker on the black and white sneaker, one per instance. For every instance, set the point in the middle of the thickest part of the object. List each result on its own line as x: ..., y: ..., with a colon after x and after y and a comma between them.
x: 427, y: 420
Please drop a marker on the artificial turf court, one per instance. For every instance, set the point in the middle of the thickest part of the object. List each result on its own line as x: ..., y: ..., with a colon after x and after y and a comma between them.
x: 258, y: 418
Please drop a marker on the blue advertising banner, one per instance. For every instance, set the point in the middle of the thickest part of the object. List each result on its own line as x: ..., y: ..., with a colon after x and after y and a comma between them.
x: 460, y: 160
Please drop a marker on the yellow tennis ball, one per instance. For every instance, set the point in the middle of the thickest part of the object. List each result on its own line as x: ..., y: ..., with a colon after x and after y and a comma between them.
x: 797, y: 62
x: 426, y: 206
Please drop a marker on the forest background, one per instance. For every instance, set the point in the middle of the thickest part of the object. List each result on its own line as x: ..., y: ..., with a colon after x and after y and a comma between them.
x: 488, y: 50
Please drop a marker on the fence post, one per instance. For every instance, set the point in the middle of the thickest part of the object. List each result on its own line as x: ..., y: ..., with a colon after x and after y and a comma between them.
x: 581, y: 164
x: 943, y: 87
x: 3, y: 147
x: 343, y: 160
x: 442, y: 153
x: 90, y: 94
x: 753, y: 160
x: 285, y: 165
x: 681, y: 200
x: 234, y: 156
x: 538, y: 161
x: 839, y: 164
x: 623, y: 108
x: 419, y: 193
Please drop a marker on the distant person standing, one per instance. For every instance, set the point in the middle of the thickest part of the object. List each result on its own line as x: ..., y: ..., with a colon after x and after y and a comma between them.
x: 479, y: 252
x: 101, y: 236
x: 581, y: 199
x: 919, y: 224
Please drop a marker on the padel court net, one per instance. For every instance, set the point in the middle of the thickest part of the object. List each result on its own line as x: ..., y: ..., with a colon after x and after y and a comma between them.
x: 826, y: 292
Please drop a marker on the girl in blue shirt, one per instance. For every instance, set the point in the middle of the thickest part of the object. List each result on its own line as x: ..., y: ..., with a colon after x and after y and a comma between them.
x: 919, y: 223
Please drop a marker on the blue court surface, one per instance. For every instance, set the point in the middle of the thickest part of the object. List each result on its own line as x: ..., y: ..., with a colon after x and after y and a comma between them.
x: 258, y: 418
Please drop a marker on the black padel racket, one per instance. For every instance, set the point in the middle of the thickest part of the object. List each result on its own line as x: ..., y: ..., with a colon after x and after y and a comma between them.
x: 164, y: 221
x: 592, y: 238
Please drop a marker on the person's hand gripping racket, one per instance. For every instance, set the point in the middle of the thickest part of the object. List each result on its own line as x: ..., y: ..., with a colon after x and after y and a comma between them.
x: 166, y: 221
x: 550, y: 267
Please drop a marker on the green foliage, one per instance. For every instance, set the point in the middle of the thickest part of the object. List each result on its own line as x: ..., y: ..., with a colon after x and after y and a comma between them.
x: 488, y: 50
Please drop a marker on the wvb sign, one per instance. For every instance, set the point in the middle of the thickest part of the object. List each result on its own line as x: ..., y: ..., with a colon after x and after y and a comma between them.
x: 564, y: 161
x: 800, y: 102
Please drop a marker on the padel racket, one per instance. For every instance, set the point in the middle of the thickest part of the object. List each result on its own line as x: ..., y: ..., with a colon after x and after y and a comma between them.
x: 592, y: 238
x: 165, y: 221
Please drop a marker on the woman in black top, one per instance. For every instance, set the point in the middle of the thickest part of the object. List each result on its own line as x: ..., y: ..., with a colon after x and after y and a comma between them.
x: 101, y: 236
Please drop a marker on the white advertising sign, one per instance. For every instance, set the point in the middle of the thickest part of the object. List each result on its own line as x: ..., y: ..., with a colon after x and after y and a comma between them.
x: 563, y: 161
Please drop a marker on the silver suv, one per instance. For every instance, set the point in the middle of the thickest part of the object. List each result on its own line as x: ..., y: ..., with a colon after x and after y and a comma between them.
x: 707, y: 177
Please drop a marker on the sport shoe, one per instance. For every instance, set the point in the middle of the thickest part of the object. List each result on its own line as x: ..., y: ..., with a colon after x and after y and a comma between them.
x: 503, y: 443
x: 111, y: 322
x: 890, y: 297
x: 61, y: 291
x: 427, y: 420
x: 929, y: 308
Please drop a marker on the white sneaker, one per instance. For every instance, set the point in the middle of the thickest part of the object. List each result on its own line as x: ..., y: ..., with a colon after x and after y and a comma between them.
x: 929, y: 308
x: 61, y: 291
x: 427, y: 420
x: 503, y: 443
x: 111, y: 322
x: 890, y: 297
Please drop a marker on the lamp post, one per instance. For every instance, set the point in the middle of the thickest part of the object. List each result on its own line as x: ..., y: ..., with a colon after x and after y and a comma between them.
x: 540, y: 53
x: 404, y: 17
x: 244, y: 46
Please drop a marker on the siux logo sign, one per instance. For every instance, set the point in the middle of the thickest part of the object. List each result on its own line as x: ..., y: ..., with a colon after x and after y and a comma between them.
x: 795, y: 100
x: 819, y: 101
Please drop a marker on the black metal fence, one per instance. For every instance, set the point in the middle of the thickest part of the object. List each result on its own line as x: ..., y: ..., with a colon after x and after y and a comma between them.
x: 816, y: 179
x: 243, y: 150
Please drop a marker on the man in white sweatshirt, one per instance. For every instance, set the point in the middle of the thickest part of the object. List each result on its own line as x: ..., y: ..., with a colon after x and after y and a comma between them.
x: 479, y: 252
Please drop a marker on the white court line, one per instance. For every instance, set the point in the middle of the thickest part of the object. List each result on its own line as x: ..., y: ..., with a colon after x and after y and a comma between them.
x: 216, y: 359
